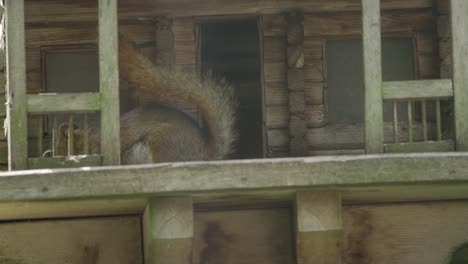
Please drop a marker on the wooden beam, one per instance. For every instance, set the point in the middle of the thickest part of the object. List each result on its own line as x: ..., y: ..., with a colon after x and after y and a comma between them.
x: 170, y: 179
x: 67, y: 102
x: 428, y: 146
x: 372, y: 52
x: 420, y: 89
x: 109, y: 82
x: 168, y: 230
x: 319, y: 227
x: 16, y: 90
x: 459, y: 9
x: 72, y: 11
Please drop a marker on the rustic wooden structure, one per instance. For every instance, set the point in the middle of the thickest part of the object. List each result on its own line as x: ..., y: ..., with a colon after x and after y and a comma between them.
x: 381, y: 208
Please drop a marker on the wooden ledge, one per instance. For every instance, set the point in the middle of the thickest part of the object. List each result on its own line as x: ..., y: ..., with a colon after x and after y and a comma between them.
x: 222, y: 176
x: 93, y: 191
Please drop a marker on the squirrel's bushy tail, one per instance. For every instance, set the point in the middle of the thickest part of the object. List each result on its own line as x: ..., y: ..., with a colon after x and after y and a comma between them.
x: 214, y: 99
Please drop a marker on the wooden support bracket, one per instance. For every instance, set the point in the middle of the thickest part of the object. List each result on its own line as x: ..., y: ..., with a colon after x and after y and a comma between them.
x: 318, y: 228
x: 168, y: 230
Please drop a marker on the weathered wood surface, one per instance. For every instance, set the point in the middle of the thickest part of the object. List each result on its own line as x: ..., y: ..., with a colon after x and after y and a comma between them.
x: 80, y: 241
x: 168, y: 230
x: 60, y: 11
x: 350, y: 23
x: 69, y: 102
x: 16, y: 90
x: 319, y: 227
x: 372, y: 51
x: 343, y: 136
x: 418, y: 89
x: 459, y: 22
x: 166, y: 179
x: 427, y: 146
x: 241, y: 235
x: 404, y: 233
x: 109, y: 82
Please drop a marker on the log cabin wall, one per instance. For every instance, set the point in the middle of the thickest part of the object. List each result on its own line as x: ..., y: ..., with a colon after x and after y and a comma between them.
x: 309, y: 73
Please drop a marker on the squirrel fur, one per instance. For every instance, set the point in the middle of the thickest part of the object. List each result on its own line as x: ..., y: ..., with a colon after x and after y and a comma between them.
x: 158, y: 133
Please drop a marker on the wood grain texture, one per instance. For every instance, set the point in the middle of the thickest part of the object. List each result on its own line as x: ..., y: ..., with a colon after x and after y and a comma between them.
x: 418, y: 89
x: 16, y: 90
x: 70, y: 102
x: 350, y: 23
x: 319, y: 227
x: 261, y: 236
x: 168, y: 230
x: 109, y: 82
x: 81, y: 241
x: 404, y: 233
x: 459, y: 22
x: 60, y: 11
x: 372, y: 51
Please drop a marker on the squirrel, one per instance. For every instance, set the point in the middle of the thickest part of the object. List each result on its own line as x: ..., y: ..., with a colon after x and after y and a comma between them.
x: 153, y: 132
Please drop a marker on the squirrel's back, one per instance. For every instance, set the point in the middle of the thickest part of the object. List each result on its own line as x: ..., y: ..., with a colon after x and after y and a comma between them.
x: 169, y: 132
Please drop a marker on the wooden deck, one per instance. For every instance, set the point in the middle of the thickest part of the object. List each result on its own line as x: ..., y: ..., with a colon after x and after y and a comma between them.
x: 114, y: 190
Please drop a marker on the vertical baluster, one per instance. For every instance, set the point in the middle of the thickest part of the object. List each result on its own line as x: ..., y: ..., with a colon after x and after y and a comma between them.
x: 85, y: 135
x: 438, y: 120
x: 424, y: 119
x: 55, y: 136
x: 40, y: 133
x: 410, y: 121
x: 70, y: 134
x: 395, y: 121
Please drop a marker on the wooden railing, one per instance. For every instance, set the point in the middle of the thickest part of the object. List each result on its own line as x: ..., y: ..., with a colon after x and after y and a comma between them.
x: 408, y: 92
x: 20, y: 104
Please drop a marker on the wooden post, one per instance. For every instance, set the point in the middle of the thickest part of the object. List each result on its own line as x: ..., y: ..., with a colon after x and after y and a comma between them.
x: 372, y: 75
x: 319, y: 227
x: 168, y: 231
x: 295, y: 52
x: 459, y: 20
x: 16, y: 86
x: 109, y: 82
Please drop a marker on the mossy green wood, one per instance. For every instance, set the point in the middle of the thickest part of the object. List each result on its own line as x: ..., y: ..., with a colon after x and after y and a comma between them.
x: 230, y: 176
x: 417, y: 89
x: 16, y: 90
x: 69, y: 102
x: 109, y: 82
x: 427, y: 146
x: 459, y: 18
x: 372, y: 76
x: 168, y: 230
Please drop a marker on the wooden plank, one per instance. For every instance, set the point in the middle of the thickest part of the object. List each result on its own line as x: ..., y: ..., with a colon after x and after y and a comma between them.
x: 403, y: 233
x: 167, y: 179
x: 319, y: 227
x: 16, y: 90
x: 81, y: 241
x: 459, y: 22
x: 168, y: 230
x: 420, y: 89
x: 66, y: 102
x: 350, y: 23
x: 351, y: 136
x: 65, y: 162
x: 59, y: 11
x: 243, y: 235
x: 109, y: 82
x: 428, y: 146
x: 372, y: 52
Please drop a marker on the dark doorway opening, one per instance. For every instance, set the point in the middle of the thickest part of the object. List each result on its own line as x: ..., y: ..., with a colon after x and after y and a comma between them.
x: 231, y: 50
